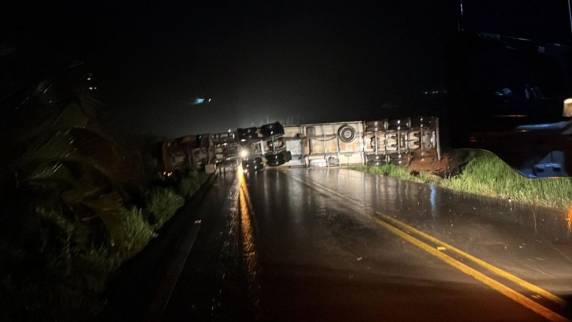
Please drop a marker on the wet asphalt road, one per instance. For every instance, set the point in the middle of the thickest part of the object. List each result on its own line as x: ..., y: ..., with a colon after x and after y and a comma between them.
x: 312, y: 245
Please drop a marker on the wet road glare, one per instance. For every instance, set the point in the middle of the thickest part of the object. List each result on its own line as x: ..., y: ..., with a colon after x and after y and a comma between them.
x: 340, y: 245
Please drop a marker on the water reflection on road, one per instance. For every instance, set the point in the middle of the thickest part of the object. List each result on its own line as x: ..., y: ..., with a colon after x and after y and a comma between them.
x: 532, y: 242
x: 248, y: 241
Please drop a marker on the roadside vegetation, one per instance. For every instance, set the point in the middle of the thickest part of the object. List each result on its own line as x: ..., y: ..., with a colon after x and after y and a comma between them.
x: 482, y: 172
x: 76, y: 205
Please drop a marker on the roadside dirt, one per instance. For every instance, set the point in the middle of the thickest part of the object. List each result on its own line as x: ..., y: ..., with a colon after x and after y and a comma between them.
x: 449, y: 165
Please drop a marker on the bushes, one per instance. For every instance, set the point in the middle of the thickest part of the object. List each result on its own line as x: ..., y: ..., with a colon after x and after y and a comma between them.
x: 77, y: 207
x: 56, y: 266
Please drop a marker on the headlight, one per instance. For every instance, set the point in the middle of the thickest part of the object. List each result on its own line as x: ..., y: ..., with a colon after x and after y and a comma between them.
x: 244, y: 153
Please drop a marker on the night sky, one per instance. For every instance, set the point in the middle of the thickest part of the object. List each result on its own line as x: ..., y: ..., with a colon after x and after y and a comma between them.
x: 287, y: 61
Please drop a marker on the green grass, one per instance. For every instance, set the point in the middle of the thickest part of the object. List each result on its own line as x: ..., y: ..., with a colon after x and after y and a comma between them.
x: 397, y: 172
x: 486, y: 174
x: 163, y: 203
x: 56, y: 267
x: 136, y: 232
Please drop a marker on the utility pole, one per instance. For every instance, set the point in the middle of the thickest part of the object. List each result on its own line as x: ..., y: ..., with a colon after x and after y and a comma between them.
x: 570, y: 14
x: 461, y: 15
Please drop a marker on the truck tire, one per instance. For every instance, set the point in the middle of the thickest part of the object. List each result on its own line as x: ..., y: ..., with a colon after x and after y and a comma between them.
x: 278, y: 159
x: 399, y: 124
x: 375, y: 126
x: 400, y: 159
x: 427, y: 122
x: 376, y: 159
x: 252, y: 165
x: 247, y: 134
x: 272, y: 129
x: 346, y: 133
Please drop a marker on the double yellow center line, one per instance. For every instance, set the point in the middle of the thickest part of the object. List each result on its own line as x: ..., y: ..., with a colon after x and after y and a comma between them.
x: 441, y: 249
x: 409, y: 234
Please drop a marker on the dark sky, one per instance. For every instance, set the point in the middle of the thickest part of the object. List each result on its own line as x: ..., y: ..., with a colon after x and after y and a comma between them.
x: 284, y: 60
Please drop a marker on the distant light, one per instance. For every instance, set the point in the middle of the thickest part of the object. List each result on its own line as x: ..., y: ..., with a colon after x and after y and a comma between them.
x: 567, y: 111
x: 244, y: 153
x: 201, y: 100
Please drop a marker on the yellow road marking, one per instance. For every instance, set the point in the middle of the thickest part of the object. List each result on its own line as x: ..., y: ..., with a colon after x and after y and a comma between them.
x: 248, y: 240
x: 497, y: 271
x: 497, y: 286
x: 439, y: 252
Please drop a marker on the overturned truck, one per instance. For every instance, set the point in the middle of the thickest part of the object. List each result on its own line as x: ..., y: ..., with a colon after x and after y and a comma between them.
x: 373, y: 143
x: 262, y: 146
x: 364, y: 142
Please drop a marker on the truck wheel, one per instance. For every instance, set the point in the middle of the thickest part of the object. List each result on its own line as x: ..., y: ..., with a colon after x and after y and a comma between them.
x: 277, y: 159
x: 247, y: 134
x: 346, y: 133
x: 376, y: 159
x: 399, y: 124
x: 272, y: 129
x: 375, y: 126
x: 427, y: 122
x: 400, y: 158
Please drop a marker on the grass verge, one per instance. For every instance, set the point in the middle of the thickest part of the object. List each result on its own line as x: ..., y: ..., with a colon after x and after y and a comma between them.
x: 488, y: 175
x: 56, y: 267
